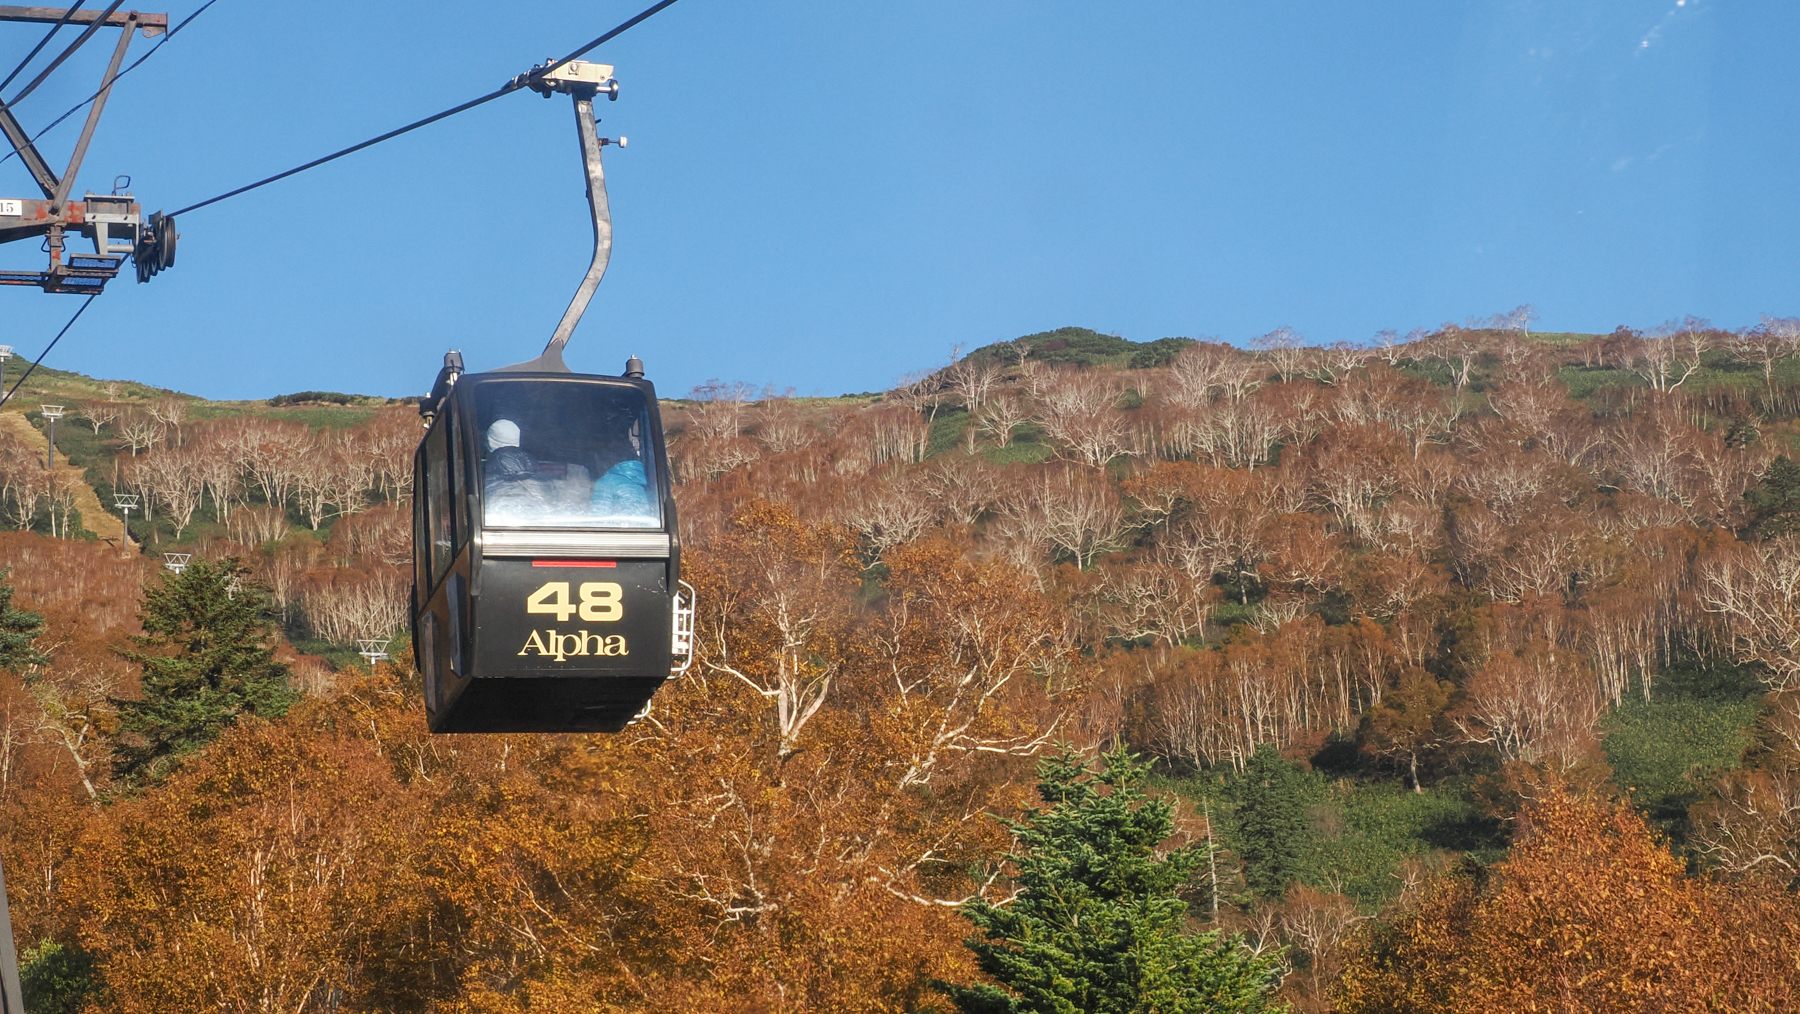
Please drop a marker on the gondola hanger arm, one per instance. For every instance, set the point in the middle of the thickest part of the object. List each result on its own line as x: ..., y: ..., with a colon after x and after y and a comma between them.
x: 582, y: 81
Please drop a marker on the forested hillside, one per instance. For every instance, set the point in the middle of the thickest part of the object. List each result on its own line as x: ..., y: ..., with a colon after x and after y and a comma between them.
x: 1462, y: 671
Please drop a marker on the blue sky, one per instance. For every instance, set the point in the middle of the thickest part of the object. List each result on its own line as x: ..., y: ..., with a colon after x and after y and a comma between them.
x: 826, y: 196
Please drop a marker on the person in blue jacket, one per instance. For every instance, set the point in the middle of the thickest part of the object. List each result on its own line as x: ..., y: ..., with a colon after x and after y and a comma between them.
x: 622, y: 494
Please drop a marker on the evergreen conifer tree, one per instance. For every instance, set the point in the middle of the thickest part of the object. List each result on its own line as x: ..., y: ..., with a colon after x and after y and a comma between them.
x: 1099, y: 925
x: 1270, y: 825
x: 18, y: 632
x: 56, y: 979
x: 207, y: 655
x: 1774, y: 501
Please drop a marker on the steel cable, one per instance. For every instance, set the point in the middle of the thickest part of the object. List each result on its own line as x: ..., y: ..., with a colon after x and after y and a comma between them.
x: 68, y: 51
x: 522, y: 81
x: 39, y: 48
x: 59, y: 337
x: 79, y: 106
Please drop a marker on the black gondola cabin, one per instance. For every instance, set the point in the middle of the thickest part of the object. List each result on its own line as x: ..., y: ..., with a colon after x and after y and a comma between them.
x: 547, y: 590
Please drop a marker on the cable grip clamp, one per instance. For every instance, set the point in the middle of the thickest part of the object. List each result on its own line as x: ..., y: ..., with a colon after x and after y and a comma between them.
x: 576, y: 77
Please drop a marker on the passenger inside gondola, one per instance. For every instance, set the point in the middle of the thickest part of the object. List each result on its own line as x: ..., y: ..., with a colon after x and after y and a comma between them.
x: 510, y: 488
x: 506, y: 460
x: 622, y: 495
x: 543, y: 446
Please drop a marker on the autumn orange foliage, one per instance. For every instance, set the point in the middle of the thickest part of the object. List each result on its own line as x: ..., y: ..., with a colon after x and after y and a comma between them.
x: 1425, y: 559
x: 344, y: 856
x: 1590, y: 912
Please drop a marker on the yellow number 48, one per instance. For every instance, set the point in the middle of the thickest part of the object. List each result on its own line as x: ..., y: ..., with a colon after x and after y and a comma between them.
x: 598, y: 601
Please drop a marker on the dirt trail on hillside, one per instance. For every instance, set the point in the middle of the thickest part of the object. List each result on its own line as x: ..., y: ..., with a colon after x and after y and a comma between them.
x: 94, y: 517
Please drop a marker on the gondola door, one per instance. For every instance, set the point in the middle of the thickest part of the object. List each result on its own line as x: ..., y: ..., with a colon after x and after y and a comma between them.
x: 441, y: 563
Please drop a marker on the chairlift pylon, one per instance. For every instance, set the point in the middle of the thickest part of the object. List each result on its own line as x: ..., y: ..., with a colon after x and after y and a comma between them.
x: 113, y: 221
